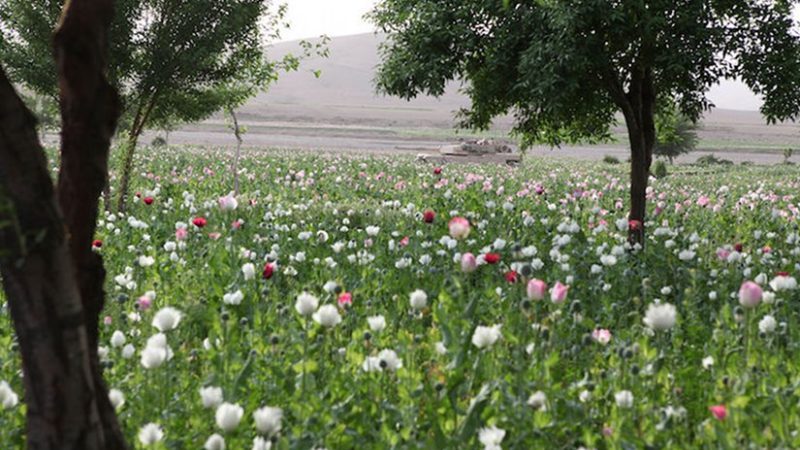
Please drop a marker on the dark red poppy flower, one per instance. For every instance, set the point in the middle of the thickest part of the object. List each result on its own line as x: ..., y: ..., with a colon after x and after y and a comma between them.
x: 512, y: 276
x: 269, y: 270
x: 492, y: 258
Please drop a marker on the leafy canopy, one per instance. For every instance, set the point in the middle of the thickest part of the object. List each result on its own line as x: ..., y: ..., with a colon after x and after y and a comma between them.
x: 173, y: 60
x: 558, y: 65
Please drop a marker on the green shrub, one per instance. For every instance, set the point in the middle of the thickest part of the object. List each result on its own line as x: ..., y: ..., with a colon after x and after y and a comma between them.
x: 660, y: 169
x: 675, y: 133
x: 608, y: 159
x: 159, y: 141
x: 711, y: 160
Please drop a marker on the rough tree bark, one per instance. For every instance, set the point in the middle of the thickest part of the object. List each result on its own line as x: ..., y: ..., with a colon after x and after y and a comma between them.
x: 638, y: 108
x: 52, y: 279
x: 90, y: 108
x: 42, y: 293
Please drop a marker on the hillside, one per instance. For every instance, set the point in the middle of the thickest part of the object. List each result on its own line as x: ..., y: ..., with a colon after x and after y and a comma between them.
x: 341, y: 110
x: 345, y: 92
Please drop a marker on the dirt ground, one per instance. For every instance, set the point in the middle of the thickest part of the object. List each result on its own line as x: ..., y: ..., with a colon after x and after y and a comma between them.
x: 377, y: 141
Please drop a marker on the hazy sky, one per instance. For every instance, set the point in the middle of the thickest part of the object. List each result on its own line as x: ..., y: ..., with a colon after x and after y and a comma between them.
x: 312, y: 18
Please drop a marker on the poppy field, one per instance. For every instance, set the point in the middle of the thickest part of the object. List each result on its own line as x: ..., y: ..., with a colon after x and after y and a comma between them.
x: 347, y: 302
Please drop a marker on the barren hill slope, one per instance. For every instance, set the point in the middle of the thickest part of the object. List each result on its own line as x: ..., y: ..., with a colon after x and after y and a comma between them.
x: 340, y: 109
x: 345, y: 93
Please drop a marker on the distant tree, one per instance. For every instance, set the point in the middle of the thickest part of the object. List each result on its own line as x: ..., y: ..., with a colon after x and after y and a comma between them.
x: 238, y: 131
x: 243, y: 88
x: 45, y: 109
x: 172, y: 60
x: 565, y: 68
x: 675, y: 133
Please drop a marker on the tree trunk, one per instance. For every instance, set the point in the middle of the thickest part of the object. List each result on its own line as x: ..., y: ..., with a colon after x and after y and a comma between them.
x: 53, y: 281
x: 237, y: 131
x: 142, y: 116
x: 90, y: 108
x: 129, y: 150
x: 640, y: 171
x: 638, y: 107
x: 43, y: 295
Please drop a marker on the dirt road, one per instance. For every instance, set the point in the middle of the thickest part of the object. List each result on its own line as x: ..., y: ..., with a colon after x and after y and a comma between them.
x: 379, y: 141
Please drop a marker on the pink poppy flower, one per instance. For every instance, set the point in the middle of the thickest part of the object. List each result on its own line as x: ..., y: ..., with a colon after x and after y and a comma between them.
x: 559, y: 293
x: 459, y: 227
x: 537, y: 289
x: 468, y: 262
x: 345, y: 299
x: 720, y: 412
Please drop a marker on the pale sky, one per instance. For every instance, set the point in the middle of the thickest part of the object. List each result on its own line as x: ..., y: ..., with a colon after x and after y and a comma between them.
x: 312, y: 18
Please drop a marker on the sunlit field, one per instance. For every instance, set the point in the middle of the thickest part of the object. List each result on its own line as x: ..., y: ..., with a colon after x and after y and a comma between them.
x: 353, y: 302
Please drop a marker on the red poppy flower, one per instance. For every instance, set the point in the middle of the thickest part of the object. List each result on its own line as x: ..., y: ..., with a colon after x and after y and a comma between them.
x: 428, y: 216
x: 738, y: 247
x: 97, y: 243
x: 269, y: 270
x: 148, y: 200
x: 512, y: 276
x: 199, y: 222
x: 492, y: 258
x: 345, y: 299
x: 634, y: 224
x: 437, y: 171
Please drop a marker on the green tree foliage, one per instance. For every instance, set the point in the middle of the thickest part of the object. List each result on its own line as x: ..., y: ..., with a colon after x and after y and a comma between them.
x: 45, y: 109
x: 659, y: 169
x: 787, y: 155
x: 675, y: 133
x: 565, y: 68
x: 173, y: 60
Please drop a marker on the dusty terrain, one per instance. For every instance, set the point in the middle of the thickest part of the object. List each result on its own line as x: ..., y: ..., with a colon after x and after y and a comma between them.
x: 340, y: 111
